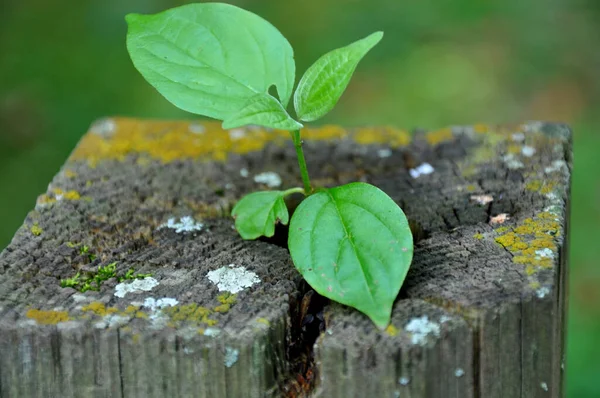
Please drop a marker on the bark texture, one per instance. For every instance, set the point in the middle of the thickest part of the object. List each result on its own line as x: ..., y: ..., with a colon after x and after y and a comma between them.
x: 481, y: 313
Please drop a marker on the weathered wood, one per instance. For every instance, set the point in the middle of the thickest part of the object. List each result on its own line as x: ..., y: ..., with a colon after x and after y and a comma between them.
x: 481, y: 313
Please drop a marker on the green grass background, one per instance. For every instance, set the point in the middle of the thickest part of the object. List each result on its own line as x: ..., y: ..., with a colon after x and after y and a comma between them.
x: 441, y: 62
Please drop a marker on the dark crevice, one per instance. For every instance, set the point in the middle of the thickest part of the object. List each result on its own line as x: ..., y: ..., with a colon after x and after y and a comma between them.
x: 307, y: 323
x: 476, y: 329
x: 120, y: 363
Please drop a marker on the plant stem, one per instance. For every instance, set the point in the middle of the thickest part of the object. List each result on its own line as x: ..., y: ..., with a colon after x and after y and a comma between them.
x: 293, y: 190
x: 301, y: 162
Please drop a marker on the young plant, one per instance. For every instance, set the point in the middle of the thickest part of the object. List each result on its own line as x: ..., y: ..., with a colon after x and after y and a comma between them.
x: 351, y: 243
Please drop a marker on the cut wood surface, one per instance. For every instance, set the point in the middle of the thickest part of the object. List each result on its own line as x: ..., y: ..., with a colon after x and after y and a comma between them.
x: 141, y: 210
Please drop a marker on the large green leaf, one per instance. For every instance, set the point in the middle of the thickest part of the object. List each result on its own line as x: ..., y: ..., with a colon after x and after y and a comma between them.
x: 262, y: 110
x: 210, y: 58
x: 353, y: 245
x: 325, y: 81
x: 257, y: 213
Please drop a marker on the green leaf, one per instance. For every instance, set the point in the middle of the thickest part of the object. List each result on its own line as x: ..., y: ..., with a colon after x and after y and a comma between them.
x: 262, y: 110
x: 353, y: 245
x: 257, y: 213
x: 210, y: 58
x: 325, y: 81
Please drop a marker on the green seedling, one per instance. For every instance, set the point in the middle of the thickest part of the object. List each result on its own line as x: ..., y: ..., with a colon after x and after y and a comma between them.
x: 352, y: 243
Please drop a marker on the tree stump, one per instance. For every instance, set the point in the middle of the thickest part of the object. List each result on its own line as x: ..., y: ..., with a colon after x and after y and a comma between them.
x: 116, y: 284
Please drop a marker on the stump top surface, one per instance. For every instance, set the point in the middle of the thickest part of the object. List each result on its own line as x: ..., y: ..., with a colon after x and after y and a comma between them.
x: 128, y: 177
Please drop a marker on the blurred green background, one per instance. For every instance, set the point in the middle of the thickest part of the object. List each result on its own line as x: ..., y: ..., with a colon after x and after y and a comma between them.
x: 64, y: 64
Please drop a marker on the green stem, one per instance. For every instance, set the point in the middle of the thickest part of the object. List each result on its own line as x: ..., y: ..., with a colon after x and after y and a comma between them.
x: 293, y: 190
x: 301, y: 162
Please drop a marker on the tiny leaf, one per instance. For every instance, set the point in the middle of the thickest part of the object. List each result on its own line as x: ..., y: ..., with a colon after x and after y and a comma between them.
x: 257, y: 213
x: 210, y: 58
x: 353, y: 245
x: 325, y: 81
x: 262, y: 110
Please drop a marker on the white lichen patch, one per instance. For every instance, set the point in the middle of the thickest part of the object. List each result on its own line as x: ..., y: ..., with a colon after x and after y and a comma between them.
x: 556, y: 165
x: 384, y: 153
x: 231, y: 356
x: 544, y: 386
x: 137, y: 286
x: 212, y: 332
x: 445, y: 318
x: 459, y: 372
x: 79, y: 298
x: 269, y: 178
x: 244, y: 172
x: 237, y: 134
x: 545, y: 252
x: 528, y: 151
x: 185, y: 224
x: 104, y: 127
x: 111, y: 321
x: 421, y: 170
x: 499, y: 219
x: 512, y: 162
x: 154, y: 305
x: 196, y: 128
x: 532, y: 127
x: 542, y: 292
x: 421, y: 328
x: 482, y: 199
x: 233, y: 279
x: 404, y: 381
x: 518, y: 137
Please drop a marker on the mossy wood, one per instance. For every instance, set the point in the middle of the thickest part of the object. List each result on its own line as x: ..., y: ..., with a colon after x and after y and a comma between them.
x: 481, y: 314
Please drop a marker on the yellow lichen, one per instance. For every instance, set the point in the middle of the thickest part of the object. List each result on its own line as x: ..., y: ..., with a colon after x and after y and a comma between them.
x: 386, y: 135
x: 70, y: 173
x: 189, y: 313
x: 478, y: 236
x: 514, y: 149
x: 439, y: 136
x: 471, y: 187
x: 543, y: 187
x: 47, y: 317
x: 481, y: 128
x: 36, y: 230
x: 531, y: 240
x: 99, y: 309
x: 227, y: 298
x: 167, y: 141
x: 391, y: 330
x: 264, y: 321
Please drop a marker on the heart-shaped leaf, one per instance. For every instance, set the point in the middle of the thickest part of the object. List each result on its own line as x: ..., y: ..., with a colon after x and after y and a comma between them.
x: 257, y: 213
x: 210, y: 58
x: 324, y: 81
x: 353, y: 245
x: 262, y: 110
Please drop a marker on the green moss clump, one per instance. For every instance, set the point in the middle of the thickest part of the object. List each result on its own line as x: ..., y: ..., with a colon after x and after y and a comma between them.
x: 94, y: 280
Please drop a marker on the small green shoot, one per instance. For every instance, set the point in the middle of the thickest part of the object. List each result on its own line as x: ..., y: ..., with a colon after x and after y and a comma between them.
x: 351, y: 243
